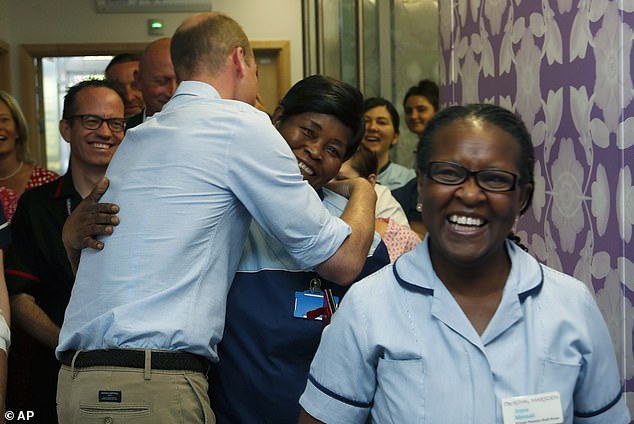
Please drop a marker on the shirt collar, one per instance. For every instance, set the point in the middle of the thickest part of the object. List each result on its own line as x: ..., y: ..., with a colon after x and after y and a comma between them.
x: 65, y: 187
x: 525, y: 278
x: 196, y: 88
x: 387, y: 165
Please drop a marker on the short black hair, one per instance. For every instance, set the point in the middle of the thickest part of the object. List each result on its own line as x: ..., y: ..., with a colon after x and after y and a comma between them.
x: 426, y: 88
x: 326, y: 95
x: 70, y: 99
x: 373, y: 102
x: 122, y: 58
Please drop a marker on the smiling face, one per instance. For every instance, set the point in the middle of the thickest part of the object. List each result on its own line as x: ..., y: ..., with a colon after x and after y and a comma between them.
x: 124, y: 74
x: 93, y: 148
x: 467, y: 226
x: 418, y: 111
x: 8, y: 129
x: 156, y: 76
x: 379, y: 134
x: 319, y: 143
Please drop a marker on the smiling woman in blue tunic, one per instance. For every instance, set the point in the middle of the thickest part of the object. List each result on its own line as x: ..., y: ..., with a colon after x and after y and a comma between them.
x: 468, y: 327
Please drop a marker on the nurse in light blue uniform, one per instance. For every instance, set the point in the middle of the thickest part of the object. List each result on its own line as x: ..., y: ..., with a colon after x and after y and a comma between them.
x: 401, y: 349
x: 468, y: 328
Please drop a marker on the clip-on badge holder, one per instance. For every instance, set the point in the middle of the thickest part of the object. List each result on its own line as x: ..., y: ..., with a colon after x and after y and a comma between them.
x: 326, y: 310
x: 315, y: 304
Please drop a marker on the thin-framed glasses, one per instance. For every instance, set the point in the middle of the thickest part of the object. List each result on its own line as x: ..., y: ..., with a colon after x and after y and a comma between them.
x: 450, y: 173
x: 94, y: 122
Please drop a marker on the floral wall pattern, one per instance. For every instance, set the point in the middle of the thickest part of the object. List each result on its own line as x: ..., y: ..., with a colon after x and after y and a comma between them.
x: 564, y: 66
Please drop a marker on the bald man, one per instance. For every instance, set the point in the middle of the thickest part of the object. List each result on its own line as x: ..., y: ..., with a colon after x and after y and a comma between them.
x: 155, y: 78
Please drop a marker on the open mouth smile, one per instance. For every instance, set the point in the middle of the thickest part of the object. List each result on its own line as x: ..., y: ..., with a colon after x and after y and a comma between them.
x: 305, y: 168
x: 465, y: 223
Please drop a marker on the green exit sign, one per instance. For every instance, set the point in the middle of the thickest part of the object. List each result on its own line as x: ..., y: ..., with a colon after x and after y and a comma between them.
x: 155, y: 26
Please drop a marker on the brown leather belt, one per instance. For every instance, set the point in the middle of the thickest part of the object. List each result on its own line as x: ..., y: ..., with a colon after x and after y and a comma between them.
x: 136, y: 359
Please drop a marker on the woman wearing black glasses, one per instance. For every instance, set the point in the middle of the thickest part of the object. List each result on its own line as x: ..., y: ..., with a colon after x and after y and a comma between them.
x: 468, y: 327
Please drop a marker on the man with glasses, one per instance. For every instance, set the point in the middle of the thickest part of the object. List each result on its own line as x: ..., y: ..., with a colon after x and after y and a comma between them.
x: 38, y: 274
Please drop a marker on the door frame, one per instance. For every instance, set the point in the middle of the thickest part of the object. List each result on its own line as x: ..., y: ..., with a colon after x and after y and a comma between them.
x: 31, y: 54
x: 5, y: 68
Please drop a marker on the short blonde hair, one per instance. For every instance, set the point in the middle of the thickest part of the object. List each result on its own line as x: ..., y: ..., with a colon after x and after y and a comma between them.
x: 205, y: 41
x: 22, y: 142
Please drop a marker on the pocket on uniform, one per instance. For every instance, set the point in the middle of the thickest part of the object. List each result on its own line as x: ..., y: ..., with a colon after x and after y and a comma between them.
x: 400, y: 391
x: 560, y: 377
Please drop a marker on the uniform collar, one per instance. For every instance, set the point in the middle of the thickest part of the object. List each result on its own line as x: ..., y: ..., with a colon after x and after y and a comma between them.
x: 415, y: 271
x: 387, y: 165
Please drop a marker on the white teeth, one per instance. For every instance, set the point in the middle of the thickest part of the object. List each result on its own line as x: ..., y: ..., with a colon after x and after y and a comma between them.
x: 101, y: 145
x: 306, y: 168
x: 466, y: 220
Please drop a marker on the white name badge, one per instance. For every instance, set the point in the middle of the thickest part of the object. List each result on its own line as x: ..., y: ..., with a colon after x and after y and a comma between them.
x: 542, y: 408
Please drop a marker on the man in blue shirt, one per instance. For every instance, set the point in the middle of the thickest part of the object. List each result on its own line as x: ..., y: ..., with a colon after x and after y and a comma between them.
x: 147, y: 312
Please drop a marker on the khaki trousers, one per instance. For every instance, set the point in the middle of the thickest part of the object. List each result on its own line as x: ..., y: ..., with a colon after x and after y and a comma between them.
x: 112, y: 395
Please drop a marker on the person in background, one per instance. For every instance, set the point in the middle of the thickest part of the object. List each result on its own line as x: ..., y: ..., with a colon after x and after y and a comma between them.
x: 468, y: 308
x: 18, y: 172
x: 364, y: 163
x: 188, y: 182
x: 381, y: 134
x: 155, y: 78
x: 391, y: 223
x: 420, y: 105
x: 38, y: 274
x: 266, y: 348
x: 121, y: 69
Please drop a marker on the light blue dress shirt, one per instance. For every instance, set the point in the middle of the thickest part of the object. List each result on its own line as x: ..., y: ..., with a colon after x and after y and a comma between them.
x: 401, y: 350
x: 188, y: 181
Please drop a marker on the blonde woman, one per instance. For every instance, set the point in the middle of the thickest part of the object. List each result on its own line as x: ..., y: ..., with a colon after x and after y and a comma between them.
x: 18, y: 172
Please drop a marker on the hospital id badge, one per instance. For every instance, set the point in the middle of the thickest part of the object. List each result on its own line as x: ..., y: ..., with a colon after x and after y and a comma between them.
x: 542, y: 408
x: 309, y: 300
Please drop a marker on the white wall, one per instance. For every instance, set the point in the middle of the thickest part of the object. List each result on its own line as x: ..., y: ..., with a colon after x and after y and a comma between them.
x: 4, y: 31
x: 76, y: 21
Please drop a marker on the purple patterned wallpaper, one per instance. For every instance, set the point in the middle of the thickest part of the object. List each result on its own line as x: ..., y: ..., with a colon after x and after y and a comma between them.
x: 564, y: 66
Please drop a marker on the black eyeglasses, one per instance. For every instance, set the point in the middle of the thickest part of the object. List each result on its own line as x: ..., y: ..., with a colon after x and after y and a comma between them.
x: 450, y: 173
x: 94, y: 122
